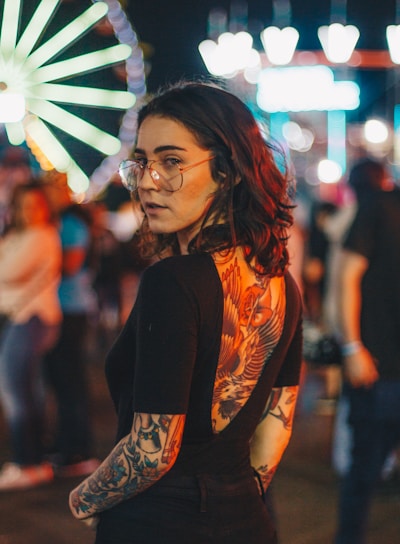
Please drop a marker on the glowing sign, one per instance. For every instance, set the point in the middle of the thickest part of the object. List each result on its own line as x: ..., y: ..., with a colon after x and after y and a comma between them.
x: 305, y: 88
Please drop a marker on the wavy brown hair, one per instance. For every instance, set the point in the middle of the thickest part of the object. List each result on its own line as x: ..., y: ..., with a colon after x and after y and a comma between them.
x: 252, y: 200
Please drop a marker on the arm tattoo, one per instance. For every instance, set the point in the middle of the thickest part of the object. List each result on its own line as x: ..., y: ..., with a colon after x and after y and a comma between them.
x: 276, y: 404
x: 137, y: 462
x: 266, y: 474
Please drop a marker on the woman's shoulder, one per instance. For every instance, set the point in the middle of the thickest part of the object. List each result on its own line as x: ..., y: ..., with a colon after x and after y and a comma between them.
x: 181, y: 264
x: 194, y: 273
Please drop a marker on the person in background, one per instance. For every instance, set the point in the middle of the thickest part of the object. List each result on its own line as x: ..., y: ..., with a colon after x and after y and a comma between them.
x: 205, y: 372
x: 105, y: 262
x: 370, y: 319
x: 66, y: 364
x: 30, y: 271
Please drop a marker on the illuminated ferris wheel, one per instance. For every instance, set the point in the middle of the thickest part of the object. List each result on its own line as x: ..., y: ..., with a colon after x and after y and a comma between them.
x: 55, y: 87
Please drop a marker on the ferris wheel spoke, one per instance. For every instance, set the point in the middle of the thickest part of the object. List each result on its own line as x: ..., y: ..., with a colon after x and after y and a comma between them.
x: 35, y: 27
x: 90, y: 96
x: 9, y: 27
x: 56, y: 153
x: 45, y: 140
x: 15, y: 133
x: 67, y: 35
x: 82, y: 63
x: 75, y: 126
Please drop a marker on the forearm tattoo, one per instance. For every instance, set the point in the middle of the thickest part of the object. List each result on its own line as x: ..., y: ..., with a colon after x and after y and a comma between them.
x: 137, y: 462
x: 281, y: 406
x: 266, y: 474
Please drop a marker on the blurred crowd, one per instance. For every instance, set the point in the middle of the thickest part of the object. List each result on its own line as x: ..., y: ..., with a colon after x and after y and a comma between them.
x: 69, y: 272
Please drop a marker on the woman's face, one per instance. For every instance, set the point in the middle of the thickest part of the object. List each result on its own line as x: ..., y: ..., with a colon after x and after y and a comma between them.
x: 182, y: 211
x: 32, y: 209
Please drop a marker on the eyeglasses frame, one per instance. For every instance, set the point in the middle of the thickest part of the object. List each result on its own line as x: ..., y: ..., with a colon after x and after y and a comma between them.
x: 148, y: 166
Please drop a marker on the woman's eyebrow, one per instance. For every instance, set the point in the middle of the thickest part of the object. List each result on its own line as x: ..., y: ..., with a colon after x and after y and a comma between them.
x: 162, y: 148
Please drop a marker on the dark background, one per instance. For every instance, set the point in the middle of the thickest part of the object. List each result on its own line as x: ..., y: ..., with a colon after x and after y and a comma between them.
x: 174, y: 29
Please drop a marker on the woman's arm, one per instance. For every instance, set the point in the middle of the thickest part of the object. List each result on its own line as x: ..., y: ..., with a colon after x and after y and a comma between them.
x: 136, y: 462
x: 273, y: 433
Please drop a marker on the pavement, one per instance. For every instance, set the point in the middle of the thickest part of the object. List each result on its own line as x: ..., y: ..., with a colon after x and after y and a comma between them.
x: 304, y: 488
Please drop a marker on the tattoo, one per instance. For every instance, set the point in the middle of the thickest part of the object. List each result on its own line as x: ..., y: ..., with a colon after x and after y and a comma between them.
x: 136, y: 462
x: 252, y: 325
x: 266, y: 474
x: 277, y: 404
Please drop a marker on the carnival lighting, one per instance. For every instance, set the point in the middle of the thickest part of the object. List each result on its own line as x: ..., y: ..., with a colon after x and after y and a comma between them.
x: 279, y: 44
x: 305, y: 88
x: 393, y: 39
x: 29, y: 78
x: 230, y: 54
x: 338, y: 41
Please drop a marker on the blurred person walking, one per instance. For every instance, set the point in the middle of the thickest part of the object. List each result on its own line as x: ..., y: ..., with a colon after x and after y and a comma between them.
x: 370, y: 318
x: 65, y: 364
x: 30, y: 270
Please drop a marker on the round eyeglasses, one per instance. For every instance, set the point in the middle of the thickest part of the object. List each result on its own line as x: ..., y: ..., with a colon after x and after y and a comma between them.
x: 167, y: 174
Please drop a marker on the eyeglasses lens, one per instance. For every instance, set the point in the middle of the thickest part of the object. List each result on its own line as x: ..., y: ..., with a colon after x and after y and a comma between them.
x: 165, y: 175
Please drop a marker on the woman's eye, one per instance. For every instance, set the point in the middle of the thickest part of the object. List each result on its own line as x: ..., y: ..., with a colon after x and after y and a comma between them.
x: 141, y: 161
x: 171, y: 162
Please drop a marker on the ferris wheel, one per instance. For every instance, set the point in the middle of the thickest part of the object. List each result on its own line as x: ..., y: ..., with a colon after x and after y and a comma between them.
x: 61, y: 90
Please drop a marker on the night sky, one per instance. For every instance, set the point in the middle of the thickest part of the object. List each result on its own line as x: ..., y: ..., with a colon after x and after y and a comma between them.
x: 174, y: 29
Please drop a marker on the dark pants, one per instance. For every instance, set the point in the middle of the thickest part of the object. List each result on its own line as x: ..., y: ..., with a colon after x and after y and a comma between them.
x: 375, y: 423
x: 65, y: 370
x: 201, y: 510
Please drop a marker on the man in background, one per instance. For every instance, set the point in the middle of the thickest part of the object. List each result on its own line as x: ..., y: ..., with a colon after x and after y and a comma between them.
x: 370, y: 317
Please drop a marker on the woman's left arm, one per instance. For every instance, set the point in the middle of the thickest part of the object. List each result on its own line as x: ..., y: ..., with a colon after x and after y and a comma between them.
x: 273, y: 433
x: 141, y: 458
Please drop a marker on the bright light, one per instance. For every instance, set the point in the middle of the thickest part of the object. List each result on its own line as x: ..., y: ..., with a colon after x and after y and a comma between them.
x: 232, y: 53
x: 279, y: 44
x: 298, y: 138
x: 338, y: 41
x: 393, y: 39
x: 82, y: 63
x: 305, y: 89
x: 77, y: 127
x: 329, y: 171
x: 34, y: 28
x: 67, y: 35
x: 12, y: 107
x: 375, y: 131
x: 28, y: 92
x: 89, y: 96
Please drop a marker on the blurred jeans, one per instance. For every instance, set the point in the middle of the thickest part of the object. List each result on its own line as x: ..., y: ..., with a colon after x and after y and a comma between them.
x: 374, y: 419
x: 22, y: 348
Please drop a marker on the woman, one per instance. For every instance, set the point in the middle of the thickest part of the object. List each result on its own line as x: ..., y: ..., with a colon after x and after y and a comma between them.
x: 204, y: 374
x: 30, y: 268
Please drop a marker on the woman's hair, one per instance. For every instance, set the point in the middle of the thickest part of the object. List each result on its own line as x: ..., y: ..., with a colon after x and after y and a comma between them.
x: 252, y: 199
x: 14, y: 219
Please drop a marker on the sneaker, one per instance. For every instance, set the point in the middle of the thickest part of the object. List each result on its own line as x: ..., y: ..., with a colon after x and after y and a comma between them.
x: 76, y: 466
x: 13, y: 476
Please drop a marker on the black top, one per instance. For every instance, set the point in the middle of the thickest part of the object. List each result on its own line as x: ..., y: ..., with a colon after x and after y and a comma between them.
x: 165, y: 361
x: 375, y: 234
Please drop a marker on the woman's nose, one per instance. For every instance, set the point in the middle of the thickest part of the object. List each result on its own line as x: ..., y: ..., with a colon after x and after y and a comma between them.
x: 150, y: 179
